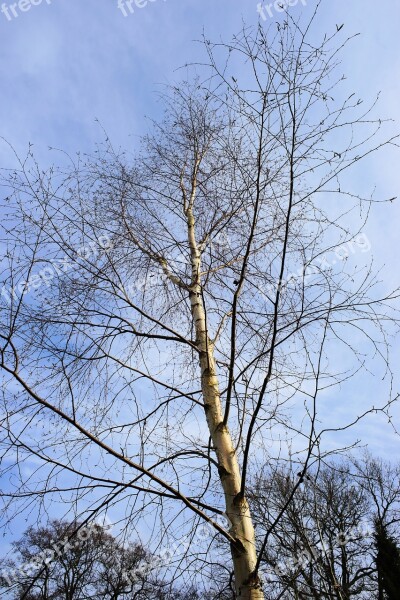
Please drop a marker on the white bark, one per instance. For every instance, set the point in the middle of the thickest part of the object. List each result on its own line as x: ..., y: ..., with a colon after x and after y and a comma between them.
x: 237, y: 509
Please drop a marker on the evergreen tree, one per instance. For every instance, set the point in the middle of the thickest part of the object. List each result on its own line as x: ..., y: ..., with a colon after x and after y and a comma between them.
x: 388, y: 564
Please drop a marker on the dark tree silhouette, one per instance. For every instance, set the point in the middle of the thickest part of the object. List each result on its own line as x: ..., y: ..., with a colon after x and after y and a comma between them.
x: 388, y: 564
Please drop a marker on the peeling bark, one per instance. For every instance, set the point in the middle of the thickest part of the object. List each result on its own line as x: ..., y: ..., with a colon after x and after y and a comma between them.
x: 248, y: 586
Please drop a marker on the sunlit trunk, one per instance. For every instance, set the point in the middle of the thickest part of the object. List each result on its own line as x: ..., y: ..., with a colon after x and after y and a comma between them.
x: 237, y: 509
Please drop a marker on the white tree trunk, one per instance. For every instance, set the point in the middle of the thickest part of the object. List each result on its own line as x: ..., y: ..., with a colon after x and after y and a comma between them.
x: 237, y: 509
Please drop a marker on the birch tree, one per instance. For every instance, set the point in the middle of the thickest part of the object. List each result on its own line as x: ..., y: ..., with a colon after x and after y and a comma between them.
x: 167, y: 316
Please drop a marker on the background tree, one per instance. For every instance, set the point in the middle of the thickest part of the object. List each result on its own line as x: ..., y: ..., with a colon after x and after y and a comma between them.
x: 92, y: 565
x: 319, y: 549
x: 161, y: 313
x: 330, y: 542
x: 95, y: 565
x: 388, y: 564
x: 381, y: 481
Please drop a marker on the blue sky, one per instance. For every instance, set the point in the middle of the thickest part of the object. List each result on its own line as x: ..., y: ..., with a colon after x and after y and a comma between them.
x: 67, y: 63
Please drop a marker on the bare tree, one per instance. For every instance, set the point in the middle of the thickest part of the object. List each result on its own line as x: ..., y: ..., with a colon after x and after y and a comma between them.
x: 323, y: 546
x: 381, y: 481
x: 166, y: 317
x: 90, y: 565
x: 94, y: 566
